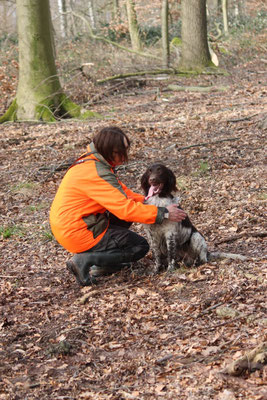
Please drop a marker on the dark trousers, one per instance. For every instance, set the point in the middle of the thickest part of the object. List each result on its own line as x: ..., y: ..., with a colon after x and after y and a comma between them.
x: 119, y: 245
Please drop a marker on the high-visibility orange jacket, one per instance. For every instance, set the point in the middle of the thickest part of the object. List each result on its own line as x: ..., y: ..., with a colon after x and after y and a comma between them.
x: 78, y: 215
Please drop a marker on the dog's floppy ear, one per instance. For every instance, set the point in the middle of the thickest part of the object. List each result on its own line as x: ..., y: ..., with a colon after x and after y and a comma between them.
x: 172, y: 181
x: 144, y: 182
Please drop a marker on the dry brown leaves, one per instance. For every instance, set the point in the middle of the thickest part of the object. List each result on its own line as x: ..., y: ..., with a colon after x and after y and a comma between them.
x: 134, y: 336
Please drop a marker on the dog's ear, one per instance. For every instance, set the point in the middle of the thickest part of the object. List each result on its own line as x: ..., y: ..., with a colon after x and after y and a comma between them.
x: 172, y: 181
x: 144, y: 182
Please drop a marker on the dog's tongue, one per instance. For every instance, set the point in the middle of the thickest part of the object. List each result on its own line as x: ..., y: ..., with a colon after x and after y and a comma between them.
x: 152, y: 191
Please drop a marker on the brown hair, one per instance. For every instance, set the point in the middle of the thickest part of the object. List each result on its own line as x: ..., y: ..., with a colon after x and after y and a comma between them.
x: 112, y: 139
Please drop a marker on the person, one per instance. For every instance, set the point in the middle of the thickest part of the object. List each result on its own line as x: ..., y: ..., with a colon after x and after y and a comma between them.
x: 92, y: 211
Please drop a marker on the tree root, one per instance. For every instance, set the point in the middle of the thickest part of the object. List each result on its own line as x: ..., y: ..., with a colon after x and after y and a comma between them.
x: 59, y: 107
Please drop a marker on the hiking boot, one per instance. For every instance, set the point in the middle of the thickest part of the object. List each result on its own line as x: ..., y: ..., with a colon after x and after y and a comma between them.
x: 81, y: 274
x: 97, y: 270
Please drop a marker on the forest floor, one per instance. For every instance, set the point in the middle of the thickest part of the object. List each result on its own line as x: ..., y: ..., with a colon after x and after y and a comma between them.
x: 133, y: 335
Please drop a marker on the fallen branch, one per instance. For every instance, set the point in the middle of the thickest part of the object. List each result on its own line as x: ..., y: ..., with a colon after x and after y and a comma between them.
x: 251, y: 361
x: 140, y: 73
x: 103, y: 39
x: 203, y: 89
x: 170, y: 71
x: 207, y: 143
x: 240, y: 235
x: 217, y: 255
x: 242, y: 119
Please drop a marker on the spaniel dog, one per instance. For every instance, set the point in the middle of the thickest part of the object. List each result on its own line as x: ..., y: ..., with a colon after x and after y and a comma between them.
x: 173, y: 242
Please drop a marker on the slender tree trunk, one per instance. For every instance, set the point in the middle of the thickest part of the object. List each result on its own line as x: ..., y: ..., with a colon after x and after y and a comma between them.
x: 165, y: 33
x: 116, y: 10
x: 39, y: 93
x: 133, y: 25
x: 91, y: 12
x: 4, y: 16
x: 225, y: 16
x: 195, y: 50
x: 64, y: 17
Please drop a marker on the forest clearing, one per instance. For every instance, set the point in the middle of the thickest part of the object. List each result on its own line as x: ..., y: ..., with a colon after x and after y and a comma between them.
x: 134, y: 335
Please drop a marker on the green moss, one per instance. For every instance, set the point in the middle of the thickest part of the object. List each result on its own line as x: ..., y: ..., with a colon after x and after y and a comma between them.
x: 44, y: 113
x: 176, y: 42
x: 72, y: 110
x: 48, y: 110
x: 90, y: 114
x: 11, y: 113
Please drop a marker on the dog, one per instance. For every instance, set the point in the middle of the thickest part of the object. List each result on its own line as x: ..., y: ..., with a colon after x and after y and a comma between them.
x: 174, y: 241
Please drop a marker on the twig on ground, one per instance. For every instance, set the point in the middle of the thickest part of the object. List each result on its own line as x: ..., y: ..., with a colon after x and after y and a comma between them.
x: 242, y: 119
x: 240, y: 235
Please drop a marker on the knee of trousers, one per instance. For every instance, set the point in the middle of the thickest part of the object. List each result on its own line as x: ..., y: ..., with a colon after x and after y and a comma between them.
x: 140, y: 250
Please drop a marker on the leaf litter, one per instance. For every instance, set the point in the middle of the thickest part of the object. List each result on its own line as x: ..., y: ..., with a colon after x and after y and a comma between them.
x: 137, y: 336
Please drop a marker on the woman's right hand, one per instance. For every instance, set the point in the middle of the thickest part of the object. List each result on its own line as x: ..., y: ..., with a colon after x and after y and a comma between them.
x: 175, y: 213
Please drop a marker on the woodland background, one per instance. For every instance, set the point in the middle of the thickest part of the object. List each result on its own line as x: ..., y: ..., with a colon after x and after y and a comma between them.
x: 136, y: 336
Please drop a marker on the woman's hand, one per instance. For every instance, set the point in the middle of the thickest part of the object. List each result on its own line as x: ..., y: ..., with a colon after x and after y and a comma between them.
x: 175, y: 213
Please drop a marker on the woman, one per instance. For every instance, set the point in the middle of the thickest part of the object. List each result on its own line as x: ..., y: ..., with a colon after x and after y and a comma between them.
x: 92, y: 211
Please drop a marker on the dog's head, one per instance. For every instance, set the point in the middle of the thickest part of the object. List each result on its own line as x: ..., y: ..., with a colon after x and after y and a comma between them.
x: 161, y: 178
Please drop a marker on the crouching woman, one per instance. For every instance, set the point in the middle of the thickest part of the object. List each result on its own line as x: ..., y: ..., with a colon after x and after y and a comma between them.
x: 93, y: 210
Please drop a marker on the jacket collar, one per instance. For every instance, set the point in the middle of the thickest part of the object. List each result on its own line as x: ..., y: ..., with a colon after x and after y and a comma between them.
x: 91, y: 148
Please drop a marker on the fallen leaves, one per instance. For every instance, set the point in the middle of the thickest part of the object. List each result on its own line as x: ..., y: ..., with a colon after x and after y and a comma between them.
x: 137, y: 336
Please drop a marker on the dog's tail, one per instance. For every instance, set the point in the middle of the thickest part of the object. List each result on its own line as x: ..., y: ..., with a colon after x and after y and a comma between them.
x: 217, y: 255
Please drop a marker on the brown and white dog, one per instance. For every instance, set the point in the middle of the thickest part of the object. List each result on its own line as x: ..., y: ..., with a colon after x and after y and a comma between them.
x: 174, y: 242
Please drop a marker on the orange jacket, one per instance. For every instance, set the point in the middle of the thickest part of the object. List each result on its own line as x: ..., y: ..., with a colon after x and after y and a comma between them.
x: 78, y: 215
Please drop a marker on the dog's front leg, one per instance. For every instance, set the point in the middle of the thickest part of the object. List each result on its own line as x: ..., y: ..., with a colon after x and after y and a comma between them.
x: 155, y: 248
x: 171, y: 241
x: 157, y: 255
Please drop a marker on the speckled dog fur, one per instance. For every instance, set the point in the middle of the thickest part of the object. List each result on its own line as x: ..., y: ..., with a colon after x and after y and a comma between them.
x: 173, y: 242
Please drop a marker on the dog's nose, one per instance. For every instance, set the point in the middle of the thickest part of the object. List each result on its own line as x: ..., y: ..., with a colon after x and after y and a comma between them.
x: 154, y: 182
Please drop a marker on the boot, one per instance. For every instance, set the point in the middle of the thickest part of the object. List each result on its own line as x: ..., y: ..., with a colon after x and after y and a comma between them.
x: 81, y: 271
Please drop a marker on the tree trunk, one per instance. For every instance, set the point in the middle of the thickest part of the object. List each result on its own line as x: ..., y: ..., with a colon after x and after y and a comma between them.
x: 165, y: 33
x: 213, y: 6
x: 116, y: 10
x: 195, y: 51
x: 91, y: 12
x: 64, y: 17
x: 133, y: 25
x: 39, y: 93
x: 225, y: 16
x: 38, y: 79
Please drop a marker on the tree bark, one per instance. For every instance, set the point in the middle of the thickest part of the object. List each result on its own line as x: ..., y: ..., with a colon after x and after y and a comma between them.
x: 39, y: 93
x: 38, y: 77
x: 133, y: 26
x: 116, y: 10
x: 195, y: 51
x: 225, y: 16
x: 165, y: 33
x: 64, y: 18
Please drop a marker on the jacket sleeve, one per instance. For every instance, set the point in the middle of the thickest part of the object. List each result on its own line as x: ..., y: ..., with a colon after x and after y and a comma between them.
x: 107, y: 191
x: 132, y: 195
